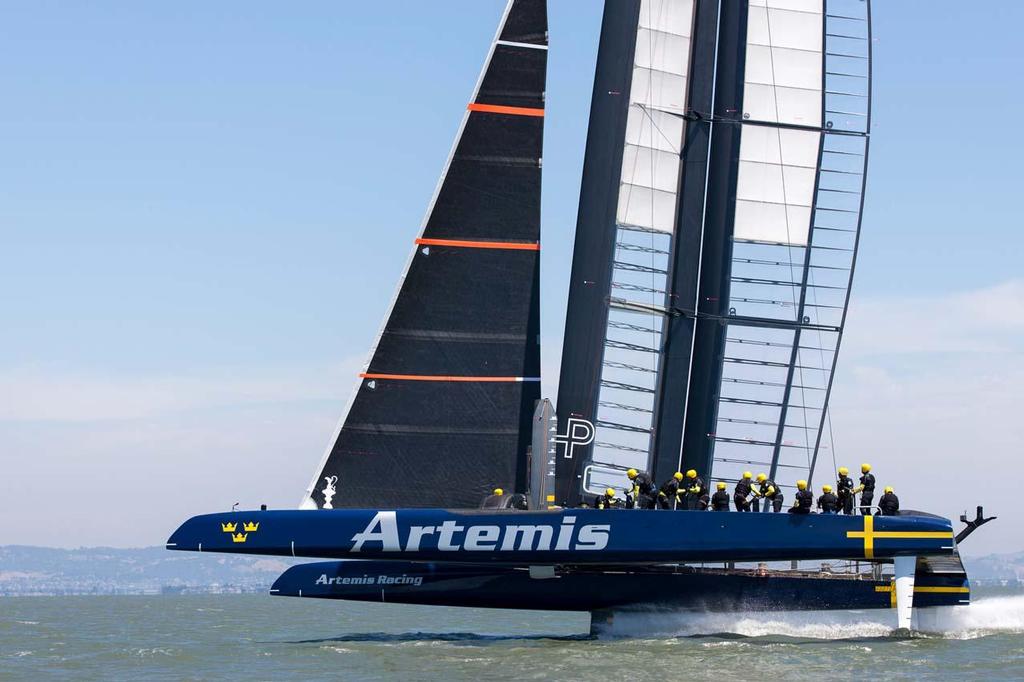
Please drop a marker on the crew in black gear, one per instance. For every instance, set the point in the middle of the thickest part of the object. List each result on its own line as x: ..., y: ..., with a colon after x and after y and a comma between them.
x: 888, y: 503
x: 668, y: 493
x: 804, y: 499
x: 828, y: 502
x: 844, y: 490
x: 607, y: 501
x: 643, y: 493
x: 695, y: 494
x: 866, y: 489
x: 770, y: 492
x: 720, y: 500
x: 743, y: 490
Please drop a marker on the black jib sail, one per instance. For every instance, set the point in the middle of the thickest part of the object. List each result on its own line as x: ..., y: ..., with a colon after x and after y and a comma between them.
x: 442, y: 412
x: 717, y: 233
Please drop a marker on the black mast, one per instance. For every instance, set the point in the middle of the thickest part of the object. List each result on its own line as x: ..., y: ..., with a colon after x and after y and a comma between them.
x: 590, y: 281
x: 674, y: 370
x: 713, y: 288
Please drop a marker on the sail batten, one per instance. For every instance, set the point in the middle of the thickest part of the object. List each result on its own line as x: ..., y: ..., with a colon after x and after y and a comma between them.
x: 446, y: 399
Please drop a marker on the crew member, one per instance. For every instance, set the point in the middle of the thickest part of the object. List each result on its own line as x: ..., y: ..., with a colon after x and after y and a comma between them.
x: 608, y: 500
x: 770, y: 492
x: 828, y: 502
x: 844, y: 490
x: 804, y: 499
x: 496, y: 500
x: 744, y: 489
x: 888, y: 503
x: 720, y: 500
x: 668, y: 493
x: 866, y: 489
x: 642, y: 494
x: 695, y: 494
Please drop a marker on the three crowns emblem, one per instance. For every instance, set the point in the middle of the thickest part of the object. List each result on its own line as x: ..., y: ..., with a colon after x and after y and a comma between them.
x: 236, y: 536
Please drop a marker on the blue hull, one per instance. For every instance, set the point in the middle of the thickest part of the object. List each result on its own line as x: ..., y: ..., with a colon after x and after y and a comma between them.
x: 574, y: 536
x: 662, y: 587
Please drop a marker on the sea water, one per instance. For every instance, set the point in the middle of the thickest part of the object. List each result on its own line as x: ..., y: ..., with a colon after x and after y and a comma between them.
x: 271, y: 638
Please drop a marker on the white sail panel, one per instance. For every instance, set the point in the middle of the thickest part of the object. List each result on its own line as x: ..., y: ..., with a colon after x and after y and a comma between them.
x: 651, y: 168
x: 644, y: 207
x: 775, y: 187
x: 669, y: 16
x: 654, y: 127
x: 783, y: 70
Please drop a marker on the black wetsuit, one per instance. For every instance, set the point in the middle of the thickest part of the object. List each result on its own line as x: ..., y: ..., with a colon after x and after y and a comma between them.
x: 868, y: 494
x: 668, y: 494
x: 740, y: 495
x: 643, y: 494
x: 828, y: 503
x: 696, y: 496
x: 889, y: 504
x: 720, y: 501
x: 804, y: 500
x: 844, y: 490
x: 775, y: 497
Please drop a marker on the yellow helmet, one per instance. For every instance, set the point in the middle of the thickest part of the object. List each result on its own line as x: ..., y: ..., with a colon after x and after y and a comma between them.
x: 721, y: 485
x: 632, y: 473
x: 678, y: 475
x: 499, y: 491
x: 747, y: 475
x: 864, y: 468
x: 843, y: 471
x: 762, y: 478
x: 826, y: 488
x: 610, y: 492
x: 888, y: 488
x: 801, y: 484
x: 692, y: 473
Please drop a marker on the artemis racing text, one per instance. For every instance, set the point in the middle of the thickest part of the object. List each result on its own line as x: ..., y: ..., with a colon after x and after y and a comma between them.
x: 382, y: 534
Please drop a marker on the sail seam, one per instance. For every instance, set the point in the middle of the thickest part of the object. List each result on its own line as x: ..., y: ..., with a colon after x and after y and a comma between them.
x: 468, y: 244
x: 501, y: 109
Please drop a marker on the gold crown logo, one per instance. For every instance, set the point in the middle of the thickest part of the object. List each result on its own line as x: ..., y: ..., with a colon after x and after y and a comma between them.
x: 228, y: 527
x: 250, y: 527
x: 239, y: 537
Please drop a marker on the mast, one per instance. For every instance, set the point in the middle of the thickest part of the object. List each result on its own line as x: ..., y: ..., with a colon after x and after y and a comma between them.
x: 785, y: 194
x: 443, y: 411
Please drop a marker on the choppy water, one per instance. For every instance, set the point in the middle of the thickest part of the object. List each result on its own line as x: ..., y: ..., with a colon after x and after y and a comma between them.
x: 266, y: 638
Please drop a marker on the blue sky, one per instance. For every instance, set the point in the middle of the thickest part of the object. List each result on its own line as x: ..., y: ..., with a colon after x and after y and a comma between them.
x: 204, y: 209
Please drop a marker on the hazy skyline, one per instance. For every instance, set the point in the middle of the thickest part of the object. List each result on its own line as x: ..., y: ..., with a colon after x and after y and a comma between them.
x: 204, y: 211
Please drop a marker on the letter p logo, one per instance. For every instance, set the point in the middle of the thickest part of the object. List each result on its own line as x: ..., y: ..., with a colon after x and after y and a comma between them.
x: 578, y: 432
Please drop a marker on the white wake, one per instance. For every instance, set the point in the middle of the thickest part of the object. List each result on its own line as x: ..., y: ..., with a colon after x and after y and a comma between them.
x: 986, y: 616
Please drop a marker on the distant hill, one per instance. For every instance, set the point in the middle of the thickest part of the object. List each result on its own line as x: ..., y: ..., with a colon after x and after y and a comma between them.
x: 996, y: 567
x: 103, y: 570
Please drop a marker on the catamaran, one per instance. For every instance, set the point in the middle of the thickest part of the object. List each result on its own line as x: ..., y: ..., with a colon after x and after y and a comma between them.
x: 719, y: 219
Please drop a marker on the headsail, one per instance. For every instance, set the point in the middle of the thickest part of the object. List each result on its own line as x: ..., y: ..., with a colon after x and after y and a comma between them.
x: 442, y: 412
x: 709, y: 289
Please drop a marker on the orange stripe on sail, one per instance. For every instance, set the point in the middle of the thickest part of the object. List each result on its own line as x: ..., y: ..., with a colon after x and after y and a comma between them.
x: 425, y: 377
x: 512, y: 111
x: 511, y: 246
